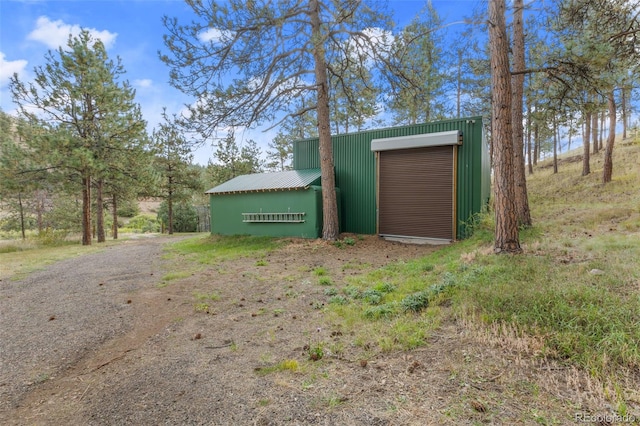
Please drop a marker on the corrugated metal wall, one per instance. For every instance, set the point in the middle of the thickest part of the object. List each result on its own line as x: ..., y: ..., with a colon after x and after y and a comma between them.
x: 227, y: 212
x: 355, y: 166
x: 356, y: 175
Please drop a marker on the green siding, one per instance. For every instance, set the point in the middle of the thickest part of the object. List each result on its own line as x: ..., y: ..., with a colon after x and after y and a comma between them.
x: 227, y: 209
x: 356, y: 170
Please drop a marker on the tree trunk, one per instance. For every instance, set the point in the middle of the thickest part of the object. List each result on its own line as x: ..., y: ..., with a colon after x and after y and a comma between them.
x: 506, y: 233
x: 586, y: 146
x: 529, y: 160
x: 569, y: 135
x: 330, y: 226
x: 623, y: 107
x: 40, y: 201
x: 608, y: 150
x: 115, y: 216
x: 536, y: 144
x: 602, y: 127
x: 594, y: 131
x: 86, y: 210
x: 170, y: 212
x: 517, y: 83
x: 100, y: 211
x: 555, y: 145
x: 20, y: 206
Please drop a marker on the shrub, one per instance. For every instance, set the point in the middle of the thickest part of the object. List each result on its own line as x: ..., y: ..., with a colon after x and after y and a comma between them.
x: 128, y: 208
x: 144, y: 223
x: 372, y: 297
x: 380, y: 311
x: 416, y: 302
x: 185, y: 217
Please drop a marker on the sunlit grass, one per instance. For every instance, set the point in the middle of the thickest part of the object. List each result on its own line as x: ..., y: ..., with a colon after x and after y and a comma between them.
x: 19, y: 258
x: 576, y: 286
x: 207, y: 249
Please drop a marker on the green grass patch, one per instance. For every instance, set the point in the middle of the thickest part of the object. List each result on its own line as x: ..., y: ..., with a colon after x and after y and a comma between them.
x: 175, y: 275
x: 210, y: 249
x: 320, y: 271
x: 326, y: 281
x: 213, y: 296
x: 20, y: 258
x: 575, y: 287
x: 284, y: 365
x: 584, y: 319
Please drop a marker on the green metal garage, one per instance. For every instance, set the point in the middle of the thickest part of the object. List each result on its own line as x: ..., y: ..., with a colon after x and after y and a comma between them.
x: 423, y: 181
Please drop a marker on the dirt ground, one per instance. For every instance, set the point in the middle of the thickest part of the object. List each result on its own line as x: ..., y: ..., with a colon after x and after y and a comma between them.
x: 96, y: 340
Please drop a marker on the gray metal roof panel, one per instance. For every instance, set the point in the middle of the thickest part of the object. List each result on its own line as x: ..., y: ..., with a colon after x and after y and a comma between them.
x: 292, y: 179
x: 451, y: 137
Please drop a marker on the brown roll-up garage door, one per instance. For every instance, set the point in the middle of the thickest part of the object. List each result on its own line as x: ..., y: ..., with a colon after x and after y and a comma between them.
x: 416, y: 192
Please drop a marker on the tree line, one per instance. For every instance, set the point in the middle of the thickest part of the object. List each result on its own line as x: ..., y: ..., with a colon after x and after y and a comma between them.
x: 315, y: 68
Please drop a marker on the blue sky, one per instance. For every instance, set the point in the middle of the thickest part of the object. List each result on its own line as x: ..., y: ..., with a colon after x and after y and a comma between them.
x: 131, y: 30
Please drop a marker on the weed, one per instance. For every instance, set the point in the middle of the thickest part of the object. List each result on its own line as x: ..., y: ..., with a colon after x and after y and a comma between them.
x: 334, y: 401
x: 352, y: 292
x: 176, y: 275
x: 415, y: 302
x: 316, y: 351
x: 284, y: 365
x: 213, y: 296
x: 380, y: 311
x: 309, y: 383
x: 372, y: 297
x: 261, y: 262
x: 385, y: 287
x: 338, y: 300
x: 291, y: 294
x: 41, y: 378
x: 325, y: 281
x: 201, y: 307
x: 320, y: 271
x: 349, y: 241
x: 330, y: 291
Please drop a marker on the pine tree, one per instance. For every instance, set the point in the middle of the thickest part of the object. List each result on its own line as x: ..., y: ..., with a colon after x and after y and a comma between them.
x: 421, y: 83
x: 172, y: 162
x: 81, y: 107
x: 276, y: 55
x: 506, y: 233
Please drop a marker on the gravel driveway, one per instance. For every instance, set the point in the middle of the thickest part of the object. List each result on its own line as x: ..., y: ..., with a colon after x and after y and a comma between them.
x: 54, y: 318
x: 95, y: 340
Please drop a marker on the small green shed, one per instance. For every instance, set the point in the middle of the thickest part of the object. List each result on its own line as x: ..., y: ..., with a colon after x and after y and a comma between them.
x: 282, y: 204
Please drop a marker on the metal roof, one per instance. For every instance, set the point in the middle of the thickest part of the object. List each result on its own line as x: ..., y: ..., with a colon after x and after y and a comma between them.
x: 278, y: 181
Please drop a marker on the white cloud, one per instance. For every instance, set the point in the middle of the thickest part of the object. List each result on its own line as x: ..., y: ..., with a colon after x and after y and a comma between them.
x: 214, y: 35
x: 56, y: 33
x: 8, y: 68
x: 143, y: 83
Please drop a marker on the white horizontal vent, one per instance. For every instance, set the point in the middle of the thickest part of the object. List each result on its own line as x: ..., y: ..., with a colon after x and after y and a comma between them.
x: 453, y: 137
